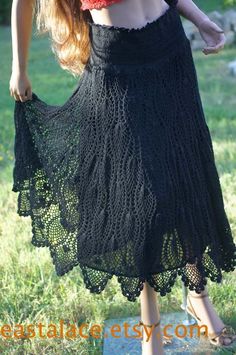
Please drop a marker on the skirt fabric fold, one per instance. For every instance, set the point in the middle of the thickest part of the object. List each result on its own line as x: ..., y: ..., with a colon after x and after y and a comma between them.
x: 121, y: 179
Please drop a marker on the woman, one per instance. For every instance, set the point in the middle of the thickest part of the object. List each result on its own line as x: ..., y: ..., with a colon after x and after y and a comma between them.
x: 121, y: 179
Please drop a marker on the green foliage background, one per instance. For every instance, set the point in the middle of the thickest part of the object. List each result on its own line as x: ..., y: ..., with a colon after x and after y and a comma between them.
x: 5, y: 8
x: 5, y: 12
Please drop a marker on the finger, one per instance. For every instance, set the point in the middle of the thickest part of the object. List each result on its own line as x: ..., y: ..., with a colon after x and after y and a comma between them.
x: 216, y: 49
x: 22, y: 97
x: 209, y: 51
x: 221, y: 44
x: 11, y: 92
x: 16, y: 96
x: 219, y: 47
x: 29, y: 94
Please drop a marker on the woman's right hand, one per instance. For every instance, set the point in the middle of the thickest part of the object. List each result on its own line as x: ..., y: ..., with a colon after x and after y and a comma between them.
x: 20, y: 86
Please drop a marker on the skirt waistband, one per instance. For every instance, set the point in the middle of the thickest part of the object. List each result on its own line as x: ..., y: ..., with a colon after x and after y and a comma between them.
x: 120, y: 45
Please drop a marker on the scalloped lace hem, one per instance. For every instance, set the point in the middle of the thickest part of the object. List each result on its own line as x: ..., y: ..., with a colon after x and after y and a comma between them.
x: 193, y: 273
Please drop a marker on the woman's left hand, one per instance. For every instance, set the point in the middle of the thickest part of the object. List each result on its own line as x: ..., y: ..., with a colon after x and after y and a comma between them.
x: 213, y: 35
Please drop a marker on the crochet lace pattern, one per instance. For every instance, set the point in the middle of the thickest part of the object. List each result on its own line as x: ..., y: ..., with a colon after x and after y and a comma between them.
x: 121, y: 179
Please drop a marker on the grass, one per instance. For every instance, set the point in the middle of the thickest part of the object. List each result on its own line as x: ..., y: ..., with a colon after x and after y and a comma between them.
x: 30, y: 291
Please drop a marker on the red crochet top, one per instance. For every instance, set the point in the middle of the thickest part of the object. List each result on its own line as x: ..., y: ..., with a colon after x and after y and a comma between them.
x: 96, y: 4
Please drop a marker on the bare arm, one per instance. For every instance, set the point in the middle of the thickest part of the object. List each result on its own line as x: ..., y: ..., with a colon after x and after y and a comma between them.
x: 21, y: 30
x: 189, y: 10
x: 210, y: 32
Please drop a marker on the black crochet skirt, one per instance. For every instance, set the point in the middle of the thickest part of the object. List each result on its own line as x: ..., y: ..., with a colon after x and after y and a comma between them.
x: 121, y: 179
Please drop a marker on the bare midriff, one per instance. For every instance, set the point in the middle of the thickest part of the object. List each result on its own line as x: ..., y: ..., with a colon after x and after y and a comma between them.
x: 129, y: 13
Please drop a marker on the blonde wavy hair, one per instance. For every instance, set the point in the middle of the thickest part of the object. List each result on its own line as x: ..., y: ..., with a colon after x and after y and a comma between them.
x: 67, y: 26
